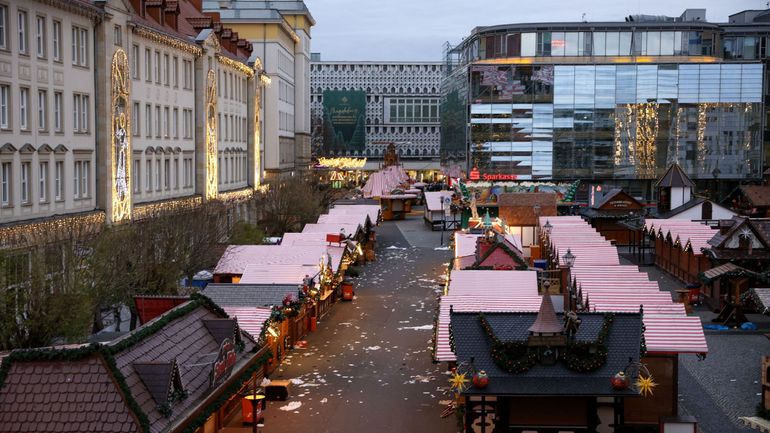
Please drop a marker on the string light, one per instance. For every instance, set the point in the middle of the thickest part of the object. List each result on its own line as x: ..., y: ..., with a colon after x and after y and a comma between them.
x: 168, y: 41
x: 25, y: 234
x: 143, y: 211
x: 342, y: 162
x: 240, y: 67
x: 236, y: 195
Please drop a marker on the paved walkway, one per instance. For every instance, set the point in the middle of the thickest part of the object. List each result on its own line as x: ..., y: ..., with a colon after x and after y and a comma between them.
x: 368, y: 366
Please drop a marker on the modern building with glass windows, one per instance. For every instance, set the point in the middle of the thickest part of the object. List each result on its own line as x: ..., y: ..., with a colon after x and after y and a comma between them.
x: 614, y: 101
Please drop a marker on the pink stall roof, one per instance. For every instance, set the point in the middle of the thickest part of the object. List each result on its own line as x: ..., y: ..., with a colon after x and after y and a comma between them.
x: 502, y: 282
x: 250, y: 319
x: 373, y: 211
x: 465, y: 243
x: 277, y: 274
x: 350, y: 229
x: 690, y: 234
x: 480, y: 303
x: 609, y: 286
x: 359, y: 219
x: 237, y: 257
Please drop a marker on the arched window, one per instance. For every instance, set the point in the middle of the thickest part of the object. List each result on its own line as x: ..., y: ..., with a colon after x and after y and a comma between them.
x: 706, y: 210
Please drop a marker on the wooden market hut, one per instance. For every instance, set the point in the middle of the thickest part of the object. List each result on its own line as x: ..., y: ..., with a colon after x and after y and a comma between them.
x: 750, y: 200
x: 526, y: 384
x: 679, y: 247
x: 520, y: 211
x: 434, y: 211
x: 493, y: 251
x: 607, y: 212
x: 254, y: 302
x: 187, y: 370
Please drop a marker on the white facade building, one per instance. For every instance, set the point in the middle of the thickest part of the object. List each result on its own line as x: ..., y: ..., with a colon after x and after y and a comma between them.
x: 47, y: 134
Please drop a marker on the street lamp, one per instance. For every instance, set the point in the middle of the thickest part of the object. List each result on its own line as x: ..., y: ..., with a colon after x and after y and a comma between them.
x: 568, y: 260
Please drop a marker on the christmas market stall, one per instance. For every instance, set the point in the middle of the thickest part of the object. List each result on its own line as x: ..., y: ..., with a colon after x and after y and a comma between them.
x: 396, y: 205
x: 488, y: 251
x: 438, y: 210
x: 597, y: 282
x: 189, y: 370
x: 679, y: 247
x: 607, y: 211
x: 520, y: 211
x: 285, y: 309
x: 513, y: 369
x: 750, y: 200
x: 236, y: 258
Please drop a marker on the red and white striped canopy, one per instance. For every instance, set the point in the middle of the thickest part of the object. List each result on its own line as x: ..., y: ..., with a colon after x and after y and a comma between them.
x: 250, y: 319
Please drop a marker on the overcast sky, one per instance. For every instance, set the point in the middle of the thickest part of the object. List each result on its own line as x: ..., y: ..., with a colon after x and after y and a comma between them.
x: 412, y: 30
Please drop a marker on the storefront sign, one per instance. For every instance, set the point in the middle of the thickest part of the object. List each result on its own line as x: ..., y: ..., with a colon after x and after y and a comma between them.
x: 224, y: 363
x: 620, y: 204
x: 475, y: 174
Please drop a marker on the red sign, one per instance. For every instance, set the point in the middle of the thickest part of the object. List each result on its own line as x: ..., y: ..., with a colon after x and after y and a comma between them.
x: 224, y: 363
x: 475, y: 174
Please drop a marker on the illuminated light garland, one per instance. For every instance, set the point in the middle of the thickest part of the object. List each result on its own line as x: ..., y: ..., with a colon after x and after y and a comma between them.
x: 168, y: 41
x: 342, y: 162
x: 212, y: 180
x: 25, y: 234
x: 120, y: 137
x: 240, y: 67
x: 143, y: 211
x: 236, y: 195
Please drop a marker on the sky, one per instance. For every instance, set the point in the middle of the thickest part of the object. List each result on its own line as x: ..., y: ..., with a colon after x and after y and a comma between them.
x: 416, y: 30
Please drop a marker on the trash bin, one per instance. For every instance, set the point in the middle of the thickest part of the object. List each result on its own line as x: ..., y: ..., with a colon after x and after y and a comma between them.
x: 347, y: 291
x: 247, y: 408
x: 313, y: 323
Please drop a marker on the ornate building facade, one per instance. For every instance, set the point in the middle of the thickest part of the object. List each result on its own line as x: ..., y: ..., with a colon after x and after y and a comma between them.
x: 115, y: 111
x: 279, y: 33
x: 401, y: 107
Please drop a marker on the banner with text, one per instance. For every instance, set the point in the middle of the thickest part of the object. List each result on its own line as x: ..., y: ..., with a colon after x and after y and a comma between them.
x: 344, y: 126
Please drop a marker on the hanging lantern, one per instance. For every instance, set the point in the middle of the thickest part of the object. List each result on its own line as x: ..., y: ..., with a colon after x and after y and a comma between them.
x: 480, y: 380
x: 619, y: 381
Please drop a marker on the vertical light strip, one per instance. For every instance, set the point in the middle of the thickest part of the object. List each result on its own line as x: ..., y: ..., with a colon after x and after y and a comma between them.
x: 120, y: 146
x: 212, y: 150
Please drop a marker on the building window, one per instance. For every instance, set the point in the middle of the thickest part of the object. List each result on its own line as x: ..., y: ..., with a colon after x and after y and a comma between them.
x: 80, y: 113
x: 166, y: 122
x: 59, y: 180
x: 25, y: 169
x: 56, y: 37
x: 157, y: 175
x: 79, y: 46
x: 43, y: 183
x: 84, y: 189
x: 24, y: 108
x: 76, y: 179
x: 167, y: 174
x: 5, y: 95
x: 175, y: 71
x: 3, y: 27
x: 42, y: 105
x: 118, y: 33
x: 187, y: 172
x: 148, y: 175
x: 136, y: 179
x: 147, y: 65
x: 22, y: 22
x: 187, y: 120
x: 40, y: 37
x: 166, y: 70
x: 6, y: 187
x: 135, y: 129
x: 175, y: 123
x: 176, y: 173
x: 135, y: 62
x: 57, y: 111
x: 187, y: 74
x: 148, y: 120
x: 157, y: 67
x: 158, y: 121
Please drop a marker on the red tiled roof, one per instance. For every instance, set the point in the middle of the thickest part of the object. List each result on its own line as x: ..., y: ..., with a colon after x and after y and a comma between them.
x: 63, y: 396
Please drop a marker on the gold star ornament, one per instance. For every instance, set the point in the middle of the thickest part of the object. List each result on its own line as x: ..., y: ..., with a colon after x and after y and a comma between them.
x: 458, y: 381
x: 645, y: 385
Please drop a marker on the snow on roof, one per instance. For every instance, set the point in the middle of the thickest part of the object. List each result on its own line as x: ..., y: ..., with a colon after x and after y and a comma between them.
x: 433, y: 199
x: 277, y: 274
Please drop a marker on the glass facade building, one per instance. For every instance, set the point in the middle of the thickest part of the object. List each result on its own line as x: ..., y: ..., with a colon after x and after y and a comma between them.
x: 622, y: 101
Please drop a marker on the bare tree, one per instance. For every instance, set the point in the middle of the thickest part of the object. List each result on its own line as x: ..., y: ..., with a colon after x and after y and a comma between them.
x: 289, y: 204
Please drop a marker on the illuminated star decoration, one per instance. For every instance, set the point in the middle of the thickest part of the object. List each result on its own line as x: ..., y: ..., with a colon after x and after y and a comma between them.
x: 645, y: 385
x: 458, y: 381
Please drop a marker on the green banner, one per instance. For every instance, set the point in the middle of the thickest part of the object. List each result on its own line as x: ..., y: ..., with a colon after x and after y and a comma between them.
x: 344, y: 127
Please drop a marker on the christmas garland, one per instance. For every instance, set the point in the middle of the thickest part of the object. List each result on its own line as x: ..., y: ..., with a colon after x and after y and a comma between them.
x: 511, y: 356
x: 107, y: 352
x: 518, y: 357
x: 231, y: 390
